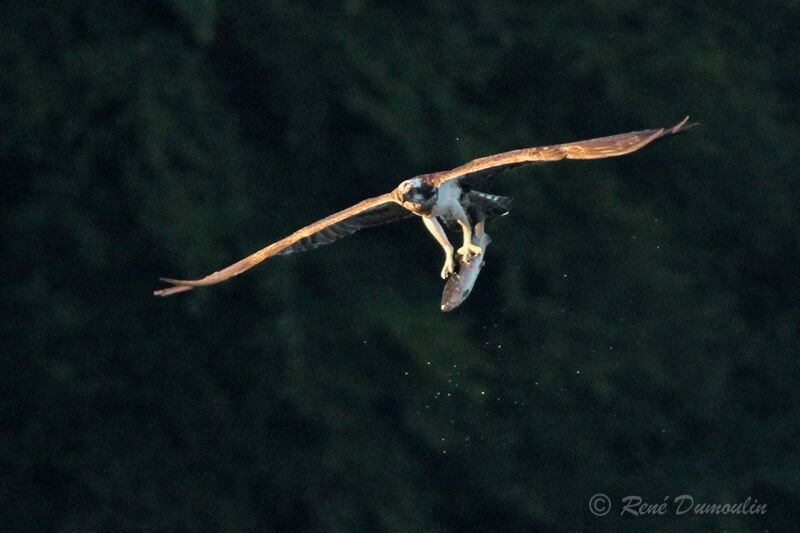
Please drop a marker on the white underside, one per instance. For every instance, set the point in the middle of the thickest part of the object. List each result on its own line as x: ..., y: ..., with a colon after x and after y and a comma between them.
x: 447, y: 201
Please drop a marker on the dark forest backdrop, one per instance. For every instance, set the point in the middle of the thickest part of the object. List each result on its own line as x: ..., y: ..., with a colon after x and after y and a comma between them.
x: 635, y: 330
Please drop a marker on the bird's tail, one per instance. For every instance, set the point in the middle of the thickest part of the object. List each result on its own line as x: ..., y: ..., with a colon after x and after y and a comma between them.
x: 486, y: 206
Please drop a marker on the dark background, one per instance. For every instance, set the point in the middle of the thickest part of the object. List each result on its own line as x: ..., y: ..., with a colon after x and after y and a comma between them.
x: 635, y: 330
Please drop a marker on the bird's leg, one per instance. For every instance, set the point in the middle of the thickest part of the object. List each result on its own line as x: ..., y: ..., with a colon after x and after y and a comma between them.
x: 438, y: 233
x: 468, y: 249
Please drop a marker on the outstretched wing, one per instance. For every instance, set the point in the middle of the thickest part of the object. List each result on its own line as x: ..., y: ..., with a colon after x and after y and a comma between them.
x: 370, y: 212
x: 612, y: 146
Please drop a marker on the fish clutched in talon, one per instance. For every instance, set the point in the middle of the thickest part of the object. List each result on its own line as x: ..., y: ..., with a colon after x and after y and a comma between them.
x: 445, y: 196
x: 459, y: 286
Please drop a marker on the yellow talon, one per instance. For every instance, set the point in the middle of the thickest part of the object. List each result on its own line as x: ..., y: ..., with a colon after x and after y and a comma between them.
x: 448, y: 268
x: 469, y: 250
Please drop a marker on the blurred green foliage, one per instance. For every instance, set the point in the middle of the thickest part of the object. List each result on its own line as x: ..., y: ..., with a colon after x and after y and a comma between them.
x: 634, y: 332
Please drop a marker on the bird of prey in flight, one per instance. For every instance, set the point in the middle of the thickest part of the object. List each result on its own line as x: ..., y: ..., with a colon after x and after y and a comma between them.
x: 447, y: 196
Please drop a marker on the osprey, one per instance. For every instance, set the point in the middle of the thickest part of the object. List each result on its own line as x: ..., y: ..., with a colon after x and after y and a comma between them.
x: 445, y: 195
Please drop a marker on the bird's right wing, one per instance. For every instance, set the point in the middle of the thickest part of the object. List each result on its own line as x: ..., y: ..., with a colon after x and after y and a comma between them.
x: 371, y: 212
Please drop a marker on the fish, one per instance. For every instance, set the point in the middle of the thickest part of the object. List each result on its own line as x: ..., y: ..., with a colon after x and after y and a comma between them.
x: 458, y: 286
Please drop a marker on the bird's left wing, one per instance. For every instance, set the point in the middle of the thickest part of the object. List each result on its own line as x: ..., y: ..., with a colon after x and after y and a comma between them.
x: 370, y: 212
x: 601, y: 147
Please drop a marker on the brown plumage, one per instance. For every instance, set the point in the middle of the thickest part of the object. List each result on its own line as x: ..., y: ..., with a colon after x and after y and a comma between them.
x: 430, y: 196
x: 370, y: 212
x: 599, y: 148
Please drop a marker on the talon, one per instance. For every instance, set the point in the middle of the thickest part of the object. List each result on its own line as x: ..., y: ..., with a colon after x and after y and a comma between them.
x: 469, y: 250
x: 448, y: 268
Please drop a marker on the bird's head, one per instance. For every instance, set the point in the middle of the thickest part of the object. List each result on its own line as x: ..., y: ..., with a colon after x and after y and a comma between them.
x: 417, y: 195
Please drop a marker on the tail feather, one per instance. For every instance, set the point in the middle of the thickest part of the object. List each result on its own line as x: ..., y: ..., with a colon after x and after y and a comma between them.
x: 484, y: 206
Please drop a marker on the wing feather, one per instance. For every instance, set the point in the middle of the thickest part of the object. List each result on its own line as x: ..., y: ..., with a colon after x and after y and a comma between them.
x: 601, y: 147
x: 371, y: 212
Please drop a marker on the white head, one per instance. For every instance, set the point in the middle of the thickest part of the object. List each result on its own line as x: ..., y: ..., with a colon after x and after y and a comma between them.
x: 417, y: 195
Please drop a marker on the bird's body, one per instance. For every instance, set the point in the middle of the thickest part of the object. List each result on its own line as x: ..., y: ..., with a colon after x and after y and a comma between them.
x: 449, y: 201
x: 446, y: 196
